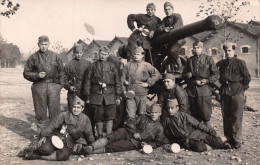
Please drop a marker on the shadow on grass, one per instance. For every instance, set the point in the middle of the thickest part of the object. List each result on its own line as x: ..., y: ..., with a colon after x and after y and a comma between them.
x: 18, y: 126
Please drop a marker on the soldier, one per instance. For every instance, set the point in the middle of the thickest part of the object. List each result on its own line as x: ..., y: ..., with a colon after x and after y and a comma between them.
x: 137, y: 77
x: 45, y: 70
x: 173, y: 91
x: 141, y: 36
x: 235, y: 78
x: 69, y: 126
x: 171, y: 21
x: 74, y: 72
x: 200, y: 70
x: 145, y: 129
x: 102, y: 88
x: 182, y: 128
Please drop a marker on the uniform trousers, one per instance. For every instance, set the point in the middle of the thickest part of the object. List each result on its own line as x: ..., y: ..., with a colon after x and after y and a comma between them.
x: 136, y: 106
x: 46, y: 96
x: 232, y: 111
x: 201, y: 107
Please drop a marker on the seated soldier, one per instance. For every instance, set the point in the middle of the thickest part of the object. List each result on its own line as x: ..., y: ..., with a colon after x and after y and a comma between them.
x: 184, y: 129
x: 69, y: 127
x: 173, y: 91
x: 145, y: 129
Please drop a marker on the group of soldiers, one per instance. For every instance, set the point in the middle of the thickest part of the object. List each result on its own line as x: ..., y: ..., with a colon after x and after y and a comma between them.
x: 179, y: 116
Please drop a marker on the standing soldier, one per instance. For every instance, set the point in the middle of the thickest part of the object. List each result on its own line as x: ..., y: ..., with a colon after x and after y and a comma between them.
x: 171, y: 21
x: 146, y: 25
x: 200, y: 70
x: 74, y: 72
x: 102, y: 88
x: 45, y: 70
x: 137, y: 77
x: 235, y: 78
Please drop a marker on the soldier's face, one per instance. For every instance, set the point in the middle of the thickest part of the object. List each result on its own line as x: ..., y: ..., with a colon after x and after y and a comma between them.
x: 44, y: 46
x: 78, y: 55
x: 229, y: 52
x: 173, y: 109
x: 77, y: 109
x: 197, y: 50
x: 169, y: 83
x: 155, y: 114
x: 103, y: 56
x: 150, y: 11
x: 138, y: 56
x: 168, y: 10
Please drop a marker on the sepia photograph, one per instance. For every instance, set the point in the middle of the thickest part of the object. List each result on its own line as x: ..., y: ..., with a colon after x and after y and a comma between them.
x: 131, y: 82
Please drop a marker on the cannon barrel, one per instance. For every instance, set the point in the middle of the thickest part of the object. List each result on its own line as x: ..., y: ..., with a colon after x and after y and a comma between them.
x: 212, y: 22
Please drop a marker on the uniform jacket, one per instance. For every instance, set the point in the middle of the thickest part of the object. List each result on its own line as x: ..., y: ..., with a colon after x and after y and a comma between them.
x: 234, y: 76
x: 183, y: 126
x: 76, y: 127
x: 201, y: 67
x: 173, y: 21
x: 136, y: 72
x: 150, y: 23
x: 74, y: 73
x: 151, y: 131
x: 48, y: 62
x: 102, y: 72
x: 176, y: 93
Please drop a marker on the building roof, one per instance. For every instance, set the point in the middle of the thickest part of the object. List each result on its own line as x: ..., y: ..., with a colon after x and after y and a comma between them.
x: 252, y: 27
x: 101, y: 42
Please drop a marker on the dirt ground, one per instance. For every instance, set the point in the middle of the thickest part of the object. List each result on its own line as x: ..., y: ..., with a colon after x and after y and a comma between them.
x: 17, y: 128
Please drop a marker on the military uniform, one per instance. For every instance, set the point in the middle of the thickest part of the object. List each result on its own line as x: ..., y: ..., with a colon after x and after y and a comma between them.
x: 235, y: 78
x: 189, y: 132
x: 45, y: 91
x: 150, y: 23
x: 74, y: 73
x: 201, y: 67
x: 137, y: 72
x: 176, y: 93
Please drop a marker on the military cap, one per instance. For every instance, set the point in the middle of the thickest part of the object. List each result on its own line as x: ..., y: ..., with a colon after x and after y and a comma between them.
x: 78, y: 101
x: 104, y: 49
x: 139, y: 49
x: 172, y: 102
x: 77, y: 48
x: 198, y: 43
x: 42, y: 39
x: 229, y: 45
x: 151, y: 5
x: 156, y: 108
x: 169, y: 76
x: 168, y: 4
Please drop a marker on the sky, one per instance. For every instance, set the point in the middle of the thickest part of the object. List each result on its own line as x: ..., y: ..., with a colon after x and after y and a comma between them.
x: 63, y: 20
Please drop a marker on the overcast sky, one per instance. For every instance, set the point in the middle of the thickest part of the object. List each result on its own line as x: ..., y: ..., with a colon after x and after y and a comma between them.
x: 63, y: 20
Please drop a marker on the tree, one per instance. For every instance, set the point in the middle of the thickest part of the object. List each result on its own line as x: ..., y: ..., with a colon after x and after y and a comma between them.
x: 9, y: 8
x: 231, y: 11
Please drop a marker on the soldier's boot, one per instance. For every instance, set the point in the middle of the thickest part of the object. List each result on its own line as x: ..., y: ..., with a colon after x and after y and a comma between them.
x: 96, y: 147
x: 99, y: 126
x: 109, y: 126
x: 179, y: 66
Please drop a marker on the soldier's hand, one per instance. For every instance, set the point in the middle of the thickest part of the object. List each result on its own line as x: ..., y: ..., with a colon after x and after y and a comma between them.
x: 118, y: 101
x: 198, y: 82
x: 143, y: 84
x: 87, y: 102
x: 188, y: 75
x: 42, y: 74
x: 127, y: 83
x: 73, y: 89
x: 151, y: 34
x: 167, y: 29
x: 41, y: 141
x: 125, y: 93
x: 137, y: 136
x: 212, y: 132
x: 140, y: 29
x: 204, y: 81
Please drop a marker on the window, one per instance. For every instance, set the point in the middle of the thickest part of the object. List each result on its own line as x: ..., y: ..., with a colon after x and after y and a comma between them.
x: 214, y: 51
x: 244, y: 49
